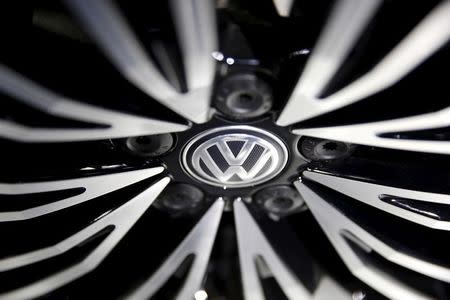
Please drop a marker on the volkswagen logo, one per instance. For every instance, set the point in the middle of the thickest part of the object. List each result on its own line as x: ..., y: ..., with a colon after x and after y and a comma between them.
x: 234, y: 156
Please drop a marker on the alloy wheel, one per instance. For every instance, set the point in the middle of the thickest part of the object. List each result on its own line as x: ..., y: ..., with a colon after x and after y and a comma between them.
x: 225, y: 150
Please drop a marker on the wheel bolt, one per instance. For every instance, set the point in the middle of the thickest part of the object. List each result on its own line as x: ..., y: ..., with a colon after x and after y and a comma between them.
x: 243, y: 96
x: 280, y: 200
x: 150, y: 145
x: 179, y: 198
x: 320, y: 149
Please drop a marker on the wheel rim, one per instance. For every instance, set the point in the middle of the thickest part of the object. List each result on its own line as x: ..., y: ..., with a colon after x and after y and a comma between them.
x: 383, y: 174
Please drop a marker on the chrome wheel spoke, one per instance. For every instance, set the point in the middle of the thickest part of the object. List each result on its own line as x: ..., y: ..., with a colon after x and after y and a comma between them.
x: 251, y: 244
x: 283, y: 7
x: 340, y: 229
x: 198, y: 242
x: 116, y: 124
x: 346, y: 24
x: 110, y: 30
x: 92, y: 187
x: 196, y: 32
x: 373, y: 194
x: 122, y: 219
x: 424, y: 40
x: 372, y: 133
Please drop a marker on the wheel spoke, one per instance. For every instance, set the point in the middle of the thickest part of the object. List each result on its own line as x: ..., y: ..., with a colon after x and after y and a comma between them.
x: 111, y: 32
x: 424, y: 40
x: 346, y: 24
x: 196, y: 32
x: 283, y: 7
x: 198, y: 242
x: 93, y: 186
x: 371, y: 133
x: 373, y: 194
x: 122, y: 218
x: 252, y: 243
x: 116, y: 124
x: 338, y: 228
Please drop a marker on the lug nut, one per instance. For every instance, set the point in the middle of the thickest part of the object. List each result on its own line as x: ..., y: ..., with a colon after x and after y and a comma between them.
x: 320, y: 149
x: 243, y: 96
x: 150, y: 145
x: 180, y: 198
x: 280, y: 200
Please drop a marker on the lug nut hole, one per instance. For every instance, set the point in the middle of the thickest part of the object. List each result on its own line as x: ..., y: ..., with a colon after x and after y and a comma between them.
x: 320, y: 149
x: 243, y: 96
x: 280, y: 200
x: 151, y: 145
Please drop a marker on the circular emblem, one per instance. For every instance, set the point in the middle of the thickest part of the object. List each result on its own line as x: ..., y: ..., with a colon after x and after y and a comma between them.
x: 234, y: 156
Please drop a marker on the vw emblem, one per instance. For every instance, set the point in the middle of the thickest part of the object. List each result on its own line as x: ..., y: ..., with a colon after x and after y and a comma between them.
x: 234, y: 156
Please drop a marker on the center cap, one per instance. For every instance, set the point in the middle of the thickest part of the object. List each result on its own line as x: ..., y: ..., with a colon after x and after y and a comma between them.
x: 234, y: 156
